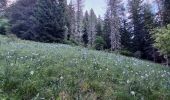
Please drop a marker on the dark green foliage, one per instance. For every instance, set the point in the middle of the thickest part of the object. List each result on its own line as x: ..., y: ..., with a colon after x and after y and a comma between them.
x: 106, y: 31
x: 20, y: 16
x: 39, y: 20
x: 71, y: 21
x: 126, y: 53
x: 126, y: 36
x: 85, y: 29
x: 166, y: 12
x: 142, y: 23
x: 4, y: 26
x: 149, y: 24
x: 99, y: 27
x: 49, y: 20
x: 135, y: 7
x: 99, y: 43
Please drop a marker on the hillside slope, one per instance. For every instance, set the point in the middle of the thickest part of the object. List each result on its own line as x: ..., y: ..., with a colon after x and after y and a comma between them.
x: 41, y: 71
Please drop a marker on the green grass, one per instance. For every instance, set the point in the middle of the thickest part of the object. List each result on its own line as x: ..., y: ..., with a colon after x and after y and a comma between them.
x: 40, y: 71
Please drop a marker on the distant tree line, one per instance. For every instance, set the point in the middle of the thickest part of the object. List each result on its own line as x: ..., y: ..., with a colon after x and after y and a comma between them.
x: 124, y: 28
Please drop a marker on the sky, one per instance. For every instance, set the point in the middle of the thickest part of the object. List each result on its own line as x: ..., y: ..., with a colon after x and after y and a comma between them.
x: 99, y: 6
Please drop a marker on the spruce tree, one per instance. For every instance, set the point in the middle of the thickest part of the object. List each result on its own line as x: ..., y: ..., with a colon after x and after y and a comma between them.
x: 166, y: 12
x: 135, y: 8
x: 148, y: 23
x: 92, y: 27
x: 115, y: 37
x: 79, y: 20
x: 50, y: 21
x: 99, y: 27
x: 85, y: 29
x: 71, y: 19
x: 107, y: 30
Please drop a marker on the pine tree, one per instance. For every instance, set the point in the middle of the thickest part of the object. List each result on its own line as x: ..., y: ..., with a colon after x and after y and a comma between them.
x: 92, y: 28
x: 20, y: 16
x: 166, y: 12
x: 126, y: 35
x: 115, y: 37
x: 107, y: 30
x: 99, y: 40
x: 85, y: 29
x: 79, y: 20
x: 50, y: 21
x: 99, y: 27
x: 148, y: 23
x: 135, y: 8
x: 71, y: 21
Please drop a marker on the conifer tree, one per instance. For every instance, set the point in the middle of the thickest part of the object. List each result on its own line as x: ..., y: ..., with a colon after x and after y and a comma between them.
x: 166, y: 12
x: 107, y: 30
x: 85, y: 29
x: 79, y: 20
x: 92, y: 28
x: 50, y: 21
x: 135, y: 8
x: 115, y: 37
x: 71, y: 21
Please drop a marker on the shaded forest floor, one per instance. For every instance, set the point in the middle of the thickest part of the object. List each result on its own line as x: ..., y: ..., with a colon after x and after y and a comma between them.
x: 31, y: 70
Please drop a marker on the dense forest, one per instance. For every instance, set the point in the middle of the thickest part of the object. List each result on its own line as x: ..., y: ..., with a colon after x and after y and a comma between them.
x: 133, y: 28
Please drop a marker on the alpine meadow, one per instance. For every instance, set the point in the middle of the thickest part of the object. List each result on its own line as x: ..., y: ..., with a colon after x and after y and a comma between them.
x: 78, y: 50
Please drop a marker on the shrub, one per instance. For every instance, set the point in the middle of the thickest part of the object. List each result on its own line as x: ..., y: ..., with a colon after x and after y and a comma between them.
x: 162, y: 40
x: 126, y: 53
x: 99, y: 43
x: 4, y: 25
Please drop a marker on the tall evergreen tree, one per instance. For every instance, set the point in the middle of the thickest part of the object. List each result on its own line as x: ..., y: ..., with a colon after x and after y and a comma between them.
x: 107, y: 30
x: 99, y: 27
x: 85, y: 29
x: 99, y: 40
x: 115, y: 37
x: 126, y: 41
x: 148, y: 23
x: 135, y: 8
x: 166, y: 12
x: 20, y: 16
x: 92, y: 27
x: 71, y: 21
x: 49, y: 20
x: 79, y: 20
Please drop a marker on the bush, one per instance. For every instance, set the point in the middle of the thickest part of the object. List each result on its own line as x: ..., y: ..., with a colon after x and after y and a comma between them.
x: 4, y: 25
x: 71, y: 42
x: 126, y: 53
x: 99, y: 43
x: 162, y: 41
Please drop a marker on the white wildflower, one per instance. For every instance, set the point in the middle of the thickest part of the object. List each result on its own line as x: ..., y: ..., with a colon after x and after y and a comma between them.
x: 162, y: 75
x: 142, y: 77
x: 146, y: 75
x: 12, y: 64
x: 128, y: 81
x: 132, y: 92
x: 32, y: 72
x: 61, y: 77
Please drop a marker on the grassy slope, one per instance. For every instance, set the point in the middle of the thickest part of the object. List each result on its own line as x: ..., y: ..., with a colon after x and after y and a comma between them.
x: 31, y: 70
